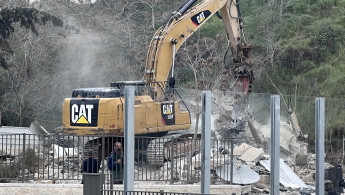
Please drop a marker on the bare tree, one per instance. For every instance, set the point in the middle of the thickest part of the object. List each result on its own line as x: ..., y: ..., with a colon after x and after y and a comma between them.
x: 29, y: 72
x: 204, y: 60
x: 17, y: 62
x: 152, y: 6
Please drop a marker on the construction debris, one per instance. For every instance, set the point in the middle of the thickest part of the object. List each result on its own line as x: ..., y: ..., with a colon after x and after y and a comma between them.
x: 248, y: 153
x: 286, y: 176
x: 242, y: 174
x: 36, y: 128
x: 289, y: 145
x: 254, y: 128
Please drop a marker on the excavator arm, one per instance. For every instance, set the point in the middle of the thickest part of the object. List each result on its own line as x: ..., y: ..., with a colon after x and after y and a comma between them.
x: 180, y: 26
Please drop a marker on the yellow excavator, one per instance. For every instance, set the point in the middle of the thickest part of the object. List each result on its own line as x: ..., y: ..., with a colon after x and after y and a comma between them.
x: 100, y: 111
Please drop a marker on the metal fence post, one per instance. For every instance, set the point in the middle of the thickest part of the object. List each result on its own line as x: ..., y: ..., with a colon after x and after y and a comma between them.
x: 129, y: 139
x: 275, y: 143
x: 172, y: 160
x: 111, y: 182
x: 320, y: 145
x: 103, y: 159
x: 23, y: 160
x: 342, y: 159
x: 232, y: 162
x: 206, y: 143
x: 103, y: 152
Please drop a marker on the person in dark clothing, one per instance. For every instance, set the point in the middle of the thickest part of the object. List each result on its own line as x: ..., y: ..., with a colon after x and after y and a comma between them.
x: 91, y: 165
x: 116, y: 164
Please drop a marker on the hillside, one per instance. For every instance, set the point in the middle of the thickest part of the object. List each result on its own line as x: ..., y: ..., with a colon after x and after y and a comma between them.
x: 297, y: 51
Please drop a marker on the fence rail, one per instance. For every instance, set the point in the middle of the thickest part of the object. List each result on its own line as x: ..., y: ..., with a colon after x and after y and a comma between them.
x: 119, y: 192
x: 60, y: 158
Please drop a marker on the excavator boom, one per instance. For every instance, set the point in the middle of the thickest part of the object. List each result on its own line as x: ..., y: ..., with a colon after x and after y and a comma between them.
x: 181, y: 25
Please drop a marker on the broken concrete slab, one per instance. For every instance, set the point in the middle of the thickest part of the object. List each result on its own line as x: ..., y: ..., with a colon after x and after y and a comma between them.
x: 286, y: 176
x: 248, y: 153
x: 242, y: 174
x: 254, y: 128
x: 264, y: 181
x: 288, y: 141
x: 304, y: 149
x: 36, y: 128
x: 301, y: 160
x: 308, y: 178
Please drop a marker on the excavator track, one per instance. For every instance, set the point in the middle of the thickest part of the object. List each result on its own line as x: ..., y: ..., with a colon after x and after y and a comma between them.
x: 155, y: 152
x: 159, y: 150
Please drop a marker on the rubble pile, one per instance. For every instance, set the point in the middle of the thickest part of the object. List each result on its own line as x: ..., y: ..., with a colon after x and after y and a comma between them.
x: 251, y: 167
x: 234, y: 120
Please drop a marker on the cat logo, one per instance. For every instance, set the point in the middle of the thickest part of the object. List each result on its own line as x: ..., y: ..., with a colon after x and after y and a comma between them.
x: 200, y: 17
x: 168, y: 114
x: 81, y: 114
x: 84, y: 112
x: 167, y: 109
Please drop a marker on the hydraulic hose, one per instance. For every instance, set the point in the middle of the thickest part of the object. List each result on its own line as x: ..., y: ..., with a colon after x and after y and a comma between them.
x: 185, y: 7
